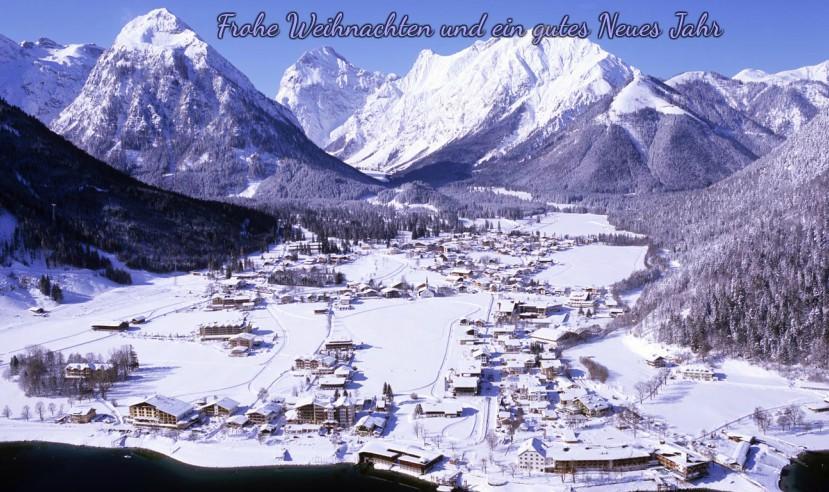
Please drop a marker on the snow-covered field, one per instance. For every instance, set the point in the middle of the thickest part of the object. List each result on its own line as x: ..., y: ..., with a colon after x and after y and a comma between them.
x: 562, y: 224
x: 594, y: 265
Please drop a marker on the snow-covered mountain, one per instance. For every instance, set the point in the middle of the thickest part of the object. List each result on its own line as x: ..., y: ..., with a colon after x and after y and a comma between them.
x: 166, y: 107
x: 565, y: 113
x: 507, y: 84
x: 42, y: 77
x: 324, y: 89
x: 814, y: 73
x: 781, y: 102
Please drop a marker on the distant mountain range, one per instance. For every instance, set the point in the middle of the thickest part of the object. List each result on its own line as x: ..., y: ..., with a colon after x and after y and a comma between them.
x: 561, y: 115
x: 164, y: 106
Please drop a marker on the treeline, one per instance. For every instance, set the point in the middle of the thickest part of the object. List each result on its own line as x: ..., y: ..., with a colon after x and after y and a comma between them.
x: 41, y: 372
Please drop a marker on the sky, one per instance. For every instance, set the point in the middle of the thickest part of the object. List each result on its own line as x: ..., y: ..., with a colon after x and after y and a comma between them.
x: 764, y: 34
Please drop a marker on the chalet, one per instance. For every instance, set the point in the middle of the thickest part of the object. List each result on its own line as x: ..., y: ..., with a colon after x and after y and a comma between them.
x: 81, y: 415
x: 656, y: 361
x: 550, y: 367
x: 344, y: 411
x: 84, y: 370
x: 549, y: 336
x: 462, y: 385
x: 322, y: 365
x: 405, y: 457
x: 332, y: 382
x: 235, y: 301
x: 138, y: 320
x: 504, y: 331
x: 426, y: 292
x: 343, y: 303
x: 371, y: 425
x: 696, y: 373
x: 535, y: 310
x: 511, y: 346
x: 445, y: 408
x: 246, y: 340
x: 571, y: 458
x: 686, y: 465
x: 111, y: 326
x: 220, y: 408
x: 505, y: 309
x: 593, y: 405
x: 581, y: 299
x: 316, y: 410
x: 263, y: 414
x: 343, y: 372
x: 224, y: 330
x: 463, y: 273
x: 162, y: 411
x: 390, y: 292
x: 37, y: 310
x: 237, y: 422
x: 337, y: 345
x: 481, y: 354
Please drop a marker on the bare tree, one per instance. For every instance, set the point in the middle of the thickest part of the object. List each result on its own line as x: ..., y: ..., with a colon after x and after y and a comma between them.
x: 761, y: 419
x: 39, y: 408
x: 7, y: 412
x: 491, y: 440
x: 26, y: 412
x: 52, y: 408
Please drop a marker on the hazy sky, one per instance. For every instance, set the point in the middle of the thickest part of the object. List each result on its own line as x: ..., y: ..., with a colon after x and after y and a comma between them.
x: 765, y: 34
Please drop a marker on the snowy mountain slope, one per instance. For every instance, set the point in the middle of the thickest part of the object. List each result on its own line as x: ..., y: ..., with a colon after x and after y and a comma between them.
x: 42, y: 77
x: 164, y: 106
x: 570, y: 114
x: 814, y: 73
x: 489, y: 85
x: 781, y: 102
x: 323, y: 89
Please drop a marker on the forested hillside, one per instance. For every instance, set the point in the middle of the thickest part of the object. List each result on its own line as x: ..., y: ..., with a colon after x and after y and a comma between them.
x: 753, y: 254
x: 65, y: 202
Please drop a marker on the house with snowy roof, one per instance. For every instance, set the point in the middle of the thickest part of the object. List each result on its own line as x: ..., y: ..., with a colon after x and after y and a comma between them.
x: 163, y: 411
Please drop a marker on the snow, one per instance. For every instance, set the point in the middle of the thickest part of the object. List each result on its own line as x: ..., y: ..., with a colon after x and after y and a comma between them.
x: 596, y: 265
x: 323, y: 89
x: 640, y: 94
x: 499, y: 190
x: 43, y: 77
x: 250, y: 191
x: 569, y: 224
x: 818, y: 73
x: 411, y: 344
x: 549, y: 84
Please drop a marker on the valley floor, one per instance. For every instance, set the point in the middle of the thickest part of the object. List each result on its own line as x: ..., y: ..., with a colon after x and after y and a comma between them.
x: 413, y: 345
